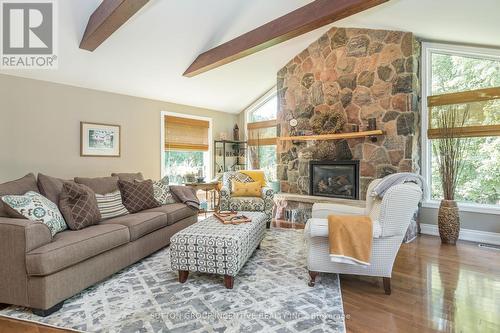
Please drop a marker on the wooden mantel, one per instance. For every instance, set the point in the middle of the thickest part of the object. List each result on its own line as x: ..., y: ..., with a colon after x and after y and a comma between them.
x: 351, y: 135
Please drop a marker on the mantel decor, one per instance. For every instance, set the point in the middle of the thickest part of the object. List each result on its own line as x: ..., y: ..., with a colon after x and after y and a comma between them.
x: 99, y: 140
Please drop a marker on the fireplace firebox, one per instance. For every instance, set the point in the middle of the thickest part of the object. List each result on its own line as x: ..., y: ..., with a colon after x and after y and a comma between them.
x: 336, y: 179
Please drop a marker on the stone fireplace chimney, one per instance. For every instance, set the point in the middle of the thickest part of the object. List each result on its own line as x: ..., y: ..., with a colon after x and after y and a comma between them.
x: 339, y: 82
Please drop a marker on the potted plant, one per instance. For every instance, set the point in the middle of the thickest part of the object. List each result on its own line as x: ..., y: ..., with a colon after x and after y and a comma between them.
x: 449, y: 150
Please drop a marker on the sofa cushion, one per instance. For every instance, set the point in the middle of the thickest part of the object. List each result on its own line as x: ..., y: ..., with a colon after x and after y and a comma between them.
x: 140, y: 224
x: 130, y: 177
x: 174, y: 212
x: 50, y: 187
x: 137, y: 196
x: 78, y: 206
x: 71, y: 247
x: 110, y: 205
x: 35, y: 207
x: 17, y: 187
x: 100, y: 185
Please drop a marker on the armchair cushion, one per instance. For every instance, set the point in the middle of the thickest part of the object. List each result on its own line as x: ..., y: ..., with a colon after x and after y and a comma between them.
x: 322, y: 210
x: 247, y: 204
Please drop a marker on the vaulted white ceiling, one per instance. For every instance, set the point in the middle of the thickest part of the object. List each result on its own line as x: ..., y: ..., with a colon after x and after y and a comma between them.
x: 147, y: 56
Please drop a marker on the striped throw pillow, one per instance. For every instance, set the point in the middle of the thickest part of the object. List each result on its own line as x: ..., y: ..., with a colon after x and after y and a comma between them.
x: 110, y: 205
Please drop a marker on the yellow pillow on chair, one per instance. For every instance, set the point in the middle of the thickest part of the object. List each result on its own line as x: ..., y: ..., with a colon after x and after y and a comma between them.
x: 251, y: 189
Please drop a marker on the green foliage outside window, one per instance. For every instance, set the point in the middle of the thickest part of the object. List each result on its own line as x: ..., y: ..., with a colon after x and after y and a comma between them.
x: 479, y: 181
x: 178, y: 164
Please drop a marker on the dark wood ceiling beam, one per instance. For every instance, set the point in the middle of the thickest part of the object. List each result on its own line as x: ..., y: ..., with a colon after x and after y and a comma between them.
x: 300, y: 21
x: 106, y: 19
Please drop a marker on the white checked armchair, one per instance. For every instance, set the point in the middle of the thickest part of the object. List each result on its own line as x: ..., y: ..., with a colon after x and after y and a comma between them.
x: 264, y: 203
x: 391, y: 217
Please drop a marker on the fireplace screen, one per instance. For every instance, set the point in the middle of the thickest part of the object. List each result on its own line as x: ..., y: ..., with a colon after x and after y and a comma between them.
x: 336, y: 179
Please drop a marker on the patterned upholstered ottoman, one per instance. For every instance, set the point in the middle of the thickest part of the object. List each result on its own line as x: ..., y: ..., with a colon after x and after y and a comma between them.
x: 212, y: 247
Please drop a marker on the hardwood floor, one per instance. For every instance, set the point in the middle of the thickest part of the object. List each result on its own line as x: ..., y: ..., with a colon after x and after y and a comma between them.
x: 434, y: 288
x: 14, y: 326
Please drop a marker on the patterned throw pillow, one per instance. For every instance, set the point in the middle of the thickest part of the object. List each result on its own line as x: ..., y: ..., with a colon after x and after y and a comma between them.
x: 162, y: 193
x: 35, y: 207
x: 250, y: 189
x: 110, y: 205
x: 165, y: 180
x: 234, y: 175
x: 137, y: 196
x: 78, y: 205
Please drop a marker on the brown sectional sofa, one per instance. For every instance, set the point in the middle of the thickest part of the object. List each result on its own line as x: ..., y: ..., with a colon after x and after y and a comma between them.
x: 40, y: 271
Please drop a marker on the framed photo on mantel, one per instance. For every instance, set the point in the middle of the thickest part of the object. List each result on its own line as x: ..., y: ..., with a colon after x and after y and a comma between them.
x: 99, y: 140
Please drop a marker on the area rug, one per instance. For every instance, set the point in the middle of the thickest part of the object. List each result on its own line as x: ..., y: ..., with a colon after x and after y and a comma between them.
x: 270, y: 295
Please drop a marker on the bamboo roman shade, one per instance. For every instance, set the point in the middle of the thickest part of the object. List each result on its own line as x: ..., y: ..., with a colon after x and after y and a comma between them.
x: 482, y: 106
x: 186, y: 134
x: 262, y: 133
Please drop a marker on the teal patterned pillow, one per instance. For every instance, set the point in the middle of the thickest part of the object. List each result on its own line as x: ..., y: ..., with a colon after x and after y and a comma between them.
x: 36, y: 207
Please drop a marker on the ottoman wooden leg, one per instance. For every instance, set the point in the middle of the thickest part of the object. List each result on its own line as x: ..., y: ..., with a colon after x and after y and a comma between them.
x: 228, y: 281
x: 183, y: 276
x: 258, y: 247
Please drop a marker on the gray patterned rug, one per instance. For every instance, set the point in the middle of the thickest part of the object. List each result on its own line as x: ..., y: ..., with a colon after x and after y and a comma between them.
x: 270, y: 295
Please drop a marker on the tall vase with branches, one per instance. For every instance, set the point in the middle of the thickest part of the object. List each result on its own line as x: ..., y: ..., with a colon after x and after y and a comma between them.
x: 450, y: 150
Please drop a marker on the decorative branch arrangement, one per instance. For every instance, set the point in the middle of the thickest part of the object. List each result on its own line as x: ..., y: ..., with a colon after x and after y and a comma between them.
x: 450, y: 149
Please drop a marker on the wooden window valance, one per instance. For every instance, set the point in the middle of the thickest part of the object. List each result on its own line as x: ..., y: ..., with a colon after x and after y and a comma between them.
x: 482, y: 105
x: 185, y: 134
x: 262, y: 133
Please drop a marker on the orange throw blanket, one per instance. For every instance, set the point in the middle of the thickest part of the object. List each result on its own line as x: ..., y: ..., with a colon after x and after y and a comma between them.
x: 350, y: 238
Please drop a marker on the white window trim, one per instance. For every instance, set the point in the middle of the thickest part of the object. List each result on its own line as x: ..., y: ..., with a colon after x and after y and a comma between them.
x: 427, y: 49
x: 208, y: 156
x: 271, y: 93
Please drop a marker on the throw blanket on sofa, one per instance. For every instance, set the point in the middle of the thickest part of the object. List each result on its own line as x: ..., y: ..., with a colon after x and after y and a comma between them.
x: 186, y: 195
x: 350, y: 238
x: 396, y: 179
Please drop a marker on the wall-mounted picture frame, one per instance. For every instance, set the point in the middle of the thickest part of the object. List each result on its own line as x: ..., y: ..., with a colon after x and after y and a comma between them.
x: 100, y: 140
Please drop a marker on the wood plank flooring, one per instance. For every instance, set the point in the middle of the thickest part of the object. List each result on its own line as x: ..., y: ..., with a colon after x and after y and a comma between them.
x: 434, y: 288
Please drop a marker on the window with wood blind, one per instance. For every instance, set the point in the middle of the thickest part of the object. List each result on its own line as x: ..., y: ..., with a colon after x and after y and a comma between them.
x: 465, y: 81
x: 262, y: 135
x: 186, y: 134
x: 186, y: 155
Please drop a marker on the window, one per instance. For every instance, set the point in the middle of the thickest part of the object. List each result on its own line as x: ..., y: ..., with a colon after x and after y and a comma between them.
x: 467, y: 79
x: 186, y: 148
x: 262, y: 133
x: 266, y: 110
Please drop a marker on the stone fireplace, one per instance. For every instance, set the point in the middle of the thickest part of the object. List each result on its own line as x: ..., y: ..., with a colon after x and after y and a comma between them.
x: 335, y: 179
x: 336, y: 85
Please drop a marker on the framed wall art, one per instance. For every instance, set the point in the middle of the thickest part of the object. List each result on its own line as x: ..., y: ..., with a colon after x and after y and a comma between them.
x: 99, y: 140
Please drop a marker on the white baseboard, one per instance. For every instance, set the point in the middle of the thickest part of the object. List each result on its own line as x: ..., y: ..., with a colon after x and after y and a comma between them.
x: 465, y: 234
